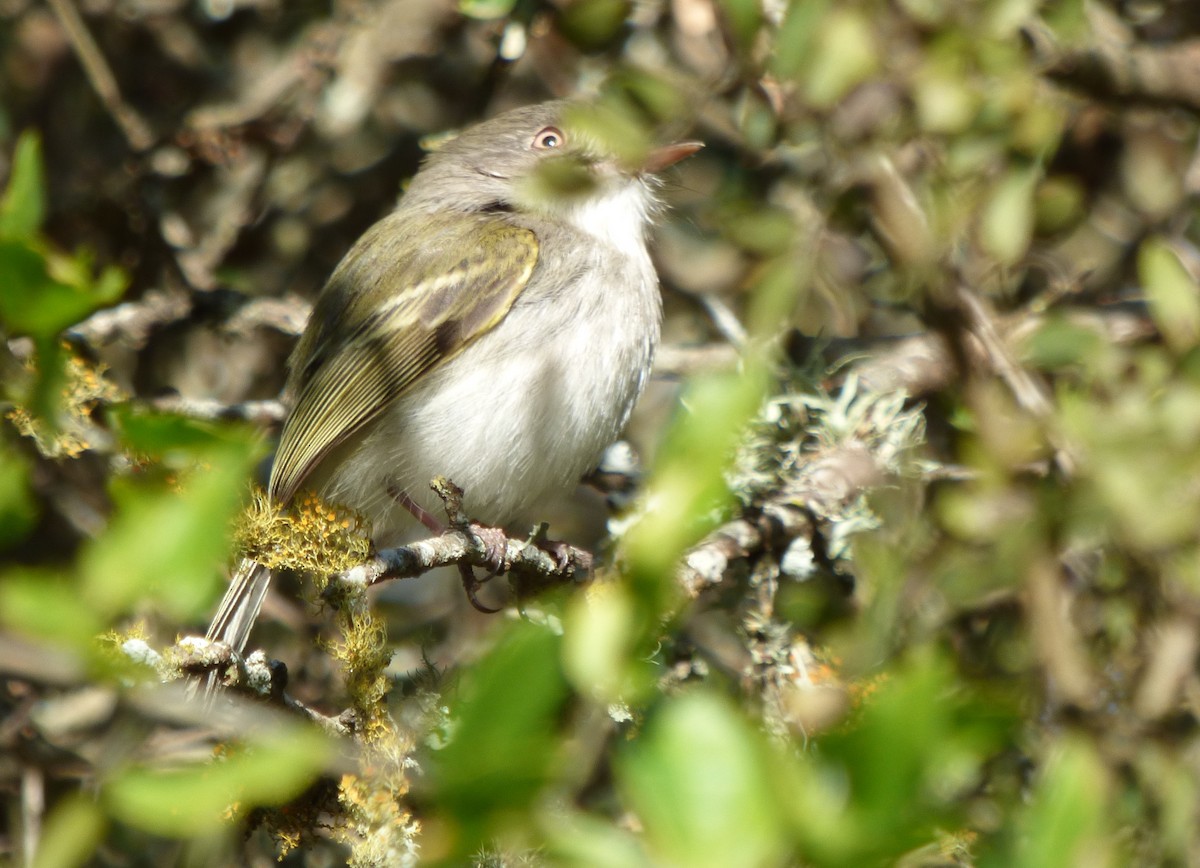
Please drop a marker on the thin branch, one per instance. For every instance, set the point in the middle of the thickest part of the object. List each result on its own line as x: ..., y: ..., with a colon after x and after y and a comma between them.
x: 133, y: 322
x: 1031, y: 393
x: 207, y: 409
x: 1120, y: 70
x: 133, y: 126
x: 833, y: 479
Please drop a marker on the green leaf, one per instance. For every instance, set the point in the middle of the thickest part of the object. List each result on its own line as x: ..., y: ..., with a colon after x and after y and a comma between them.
x: 486, y: 9
x: 1058, y: 343
x: 1006, y: 228
x: 72, y: 832
x: 903, y: 768
x: 45, y: 604
x: 598, y: 641
x: 745, y: 19
x: 44, y: 294
x: 1172, y: 292
x: 163, y: 435
x: 504, y: 744
x: 193, y: 800
x: 22, y: 208
x: 168, y: 544
x: 687, y: 489
x: 759, y: 228
x: 698, y: 782
x: 590, y: 842
x: 1069, y: 814
x: 797, y: 33
x: 593, y: 24
x: 845, y: 55
x: 17, y: 507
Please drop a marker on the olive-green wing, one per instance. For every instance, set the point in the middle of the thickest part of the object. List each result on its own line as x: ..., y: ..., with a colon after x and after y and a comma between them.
x: 424, y: 288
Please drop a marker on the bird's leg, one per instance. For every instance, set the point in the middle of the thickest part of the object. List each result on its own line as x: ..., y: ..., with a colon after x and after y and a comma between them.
x: 416, y: 510
x: 491, y: 540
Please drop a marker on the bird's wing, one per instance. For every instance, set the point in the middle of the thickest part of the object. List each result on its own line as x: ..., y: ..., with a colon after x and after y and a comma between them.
x: 423, y: 288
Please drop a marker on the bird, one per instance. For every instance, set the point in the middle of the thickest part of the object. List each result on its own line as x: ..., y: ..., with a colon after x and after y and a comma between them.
x: 496, y: 328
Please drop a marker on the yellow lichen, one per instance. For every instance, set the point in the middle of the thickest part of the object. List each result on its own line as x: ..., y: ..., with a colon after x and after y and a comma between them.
x: 84, y: 388
x: 311, y: 536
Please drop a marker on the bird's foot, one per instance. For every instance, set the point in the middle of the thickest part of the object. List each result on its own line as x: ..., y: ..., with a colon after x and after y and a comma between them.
x: 471, y: 584
x: 567, y: 558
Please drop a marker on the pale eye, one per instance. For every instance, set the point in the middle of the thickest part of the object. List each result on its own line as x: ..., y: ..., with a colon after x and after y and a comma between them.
x: 549, y: 138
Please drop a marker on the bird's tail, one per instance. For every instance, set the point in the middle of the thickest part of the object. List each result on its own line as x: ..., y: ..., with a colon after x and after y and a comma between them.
x: 239, y: 609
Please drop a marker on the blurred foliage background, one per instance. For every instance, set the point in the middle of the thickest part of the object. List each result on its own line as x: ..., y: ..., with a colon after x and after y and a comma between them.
x: 909, y: 570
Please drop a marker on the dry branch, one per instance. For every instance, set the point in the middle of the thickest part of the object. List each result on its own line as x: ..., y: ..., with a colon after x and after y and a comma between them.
x: 1119, y: 70
x: 831, y: 480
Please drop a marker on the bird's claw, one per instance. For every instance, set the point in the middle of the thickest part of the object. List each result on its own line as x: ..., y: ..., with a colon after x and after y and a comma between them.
x: 471, y: 584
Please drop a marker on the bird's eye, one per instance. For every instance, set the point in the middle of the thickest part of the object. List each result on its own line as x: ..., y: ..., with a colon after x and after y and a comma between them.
x: 549, y: 138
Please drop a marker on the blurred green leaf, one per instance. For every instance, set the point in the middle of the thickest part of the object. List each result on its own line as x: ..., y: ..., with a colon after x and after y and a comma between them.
x: 1067, y: 820
x: 276, y: 766
x: 917, y: 748
x: 758, y: 227
x: 500, y: 754
x: 927, y: 12
x: 745, y: 19
x: 845, y: 56
x: 18, y: 510
x: 22, y: 207
x: 612, y: 126
x: 782, y: 283
x: 1172, y: 292
x: 590, y: 842
x: 660, y: 98
x: 486, y: 9
x: 171, y: 438
x: 1068, y: 19
x: 697, y: 779
x: 946, y: 102
x: 1006, y: 227
x: 1058, y: 342
x: 72, y: 832
x: 794, y: 43
x: 597, y: 641
x: 1060, y: 204
x: 593, y: 24
x: 1006, y: 17
x: 45, y: 604
x: 165, y: 544
x: 44, y: 294
x: 687, y: 489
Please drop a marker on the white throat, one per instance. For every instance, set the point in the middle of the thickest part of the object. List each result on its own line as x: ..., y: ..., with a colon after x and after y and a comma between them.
x: 617, y: 216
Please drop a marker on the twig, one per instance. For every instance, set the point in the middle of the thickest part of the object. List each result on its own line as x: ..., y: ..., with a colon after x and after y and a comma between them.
x: 133, y: 322
x: 1031, y: 394
x: 33, y: 807
x: 286, y: 315
x: 133, y: 126
x: 674, y: 360
x: 1120, y: 70
x: 257, y: 412
x: 832, y: 480
x: 254, y: 675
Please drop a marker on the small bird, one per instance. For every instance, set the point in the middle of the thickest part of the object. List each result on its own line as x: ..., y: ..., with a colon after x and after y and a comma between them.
x: 496, y: 328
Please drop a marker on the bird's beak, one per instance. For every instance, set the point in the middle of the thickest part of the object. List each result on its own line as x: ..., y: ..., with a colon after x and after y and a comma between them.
x: 669, y: 155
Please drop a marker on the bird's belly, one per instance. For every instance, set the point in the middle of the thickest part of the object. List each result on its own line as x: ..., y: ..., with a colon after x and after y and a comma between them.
x: 508, y: 424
